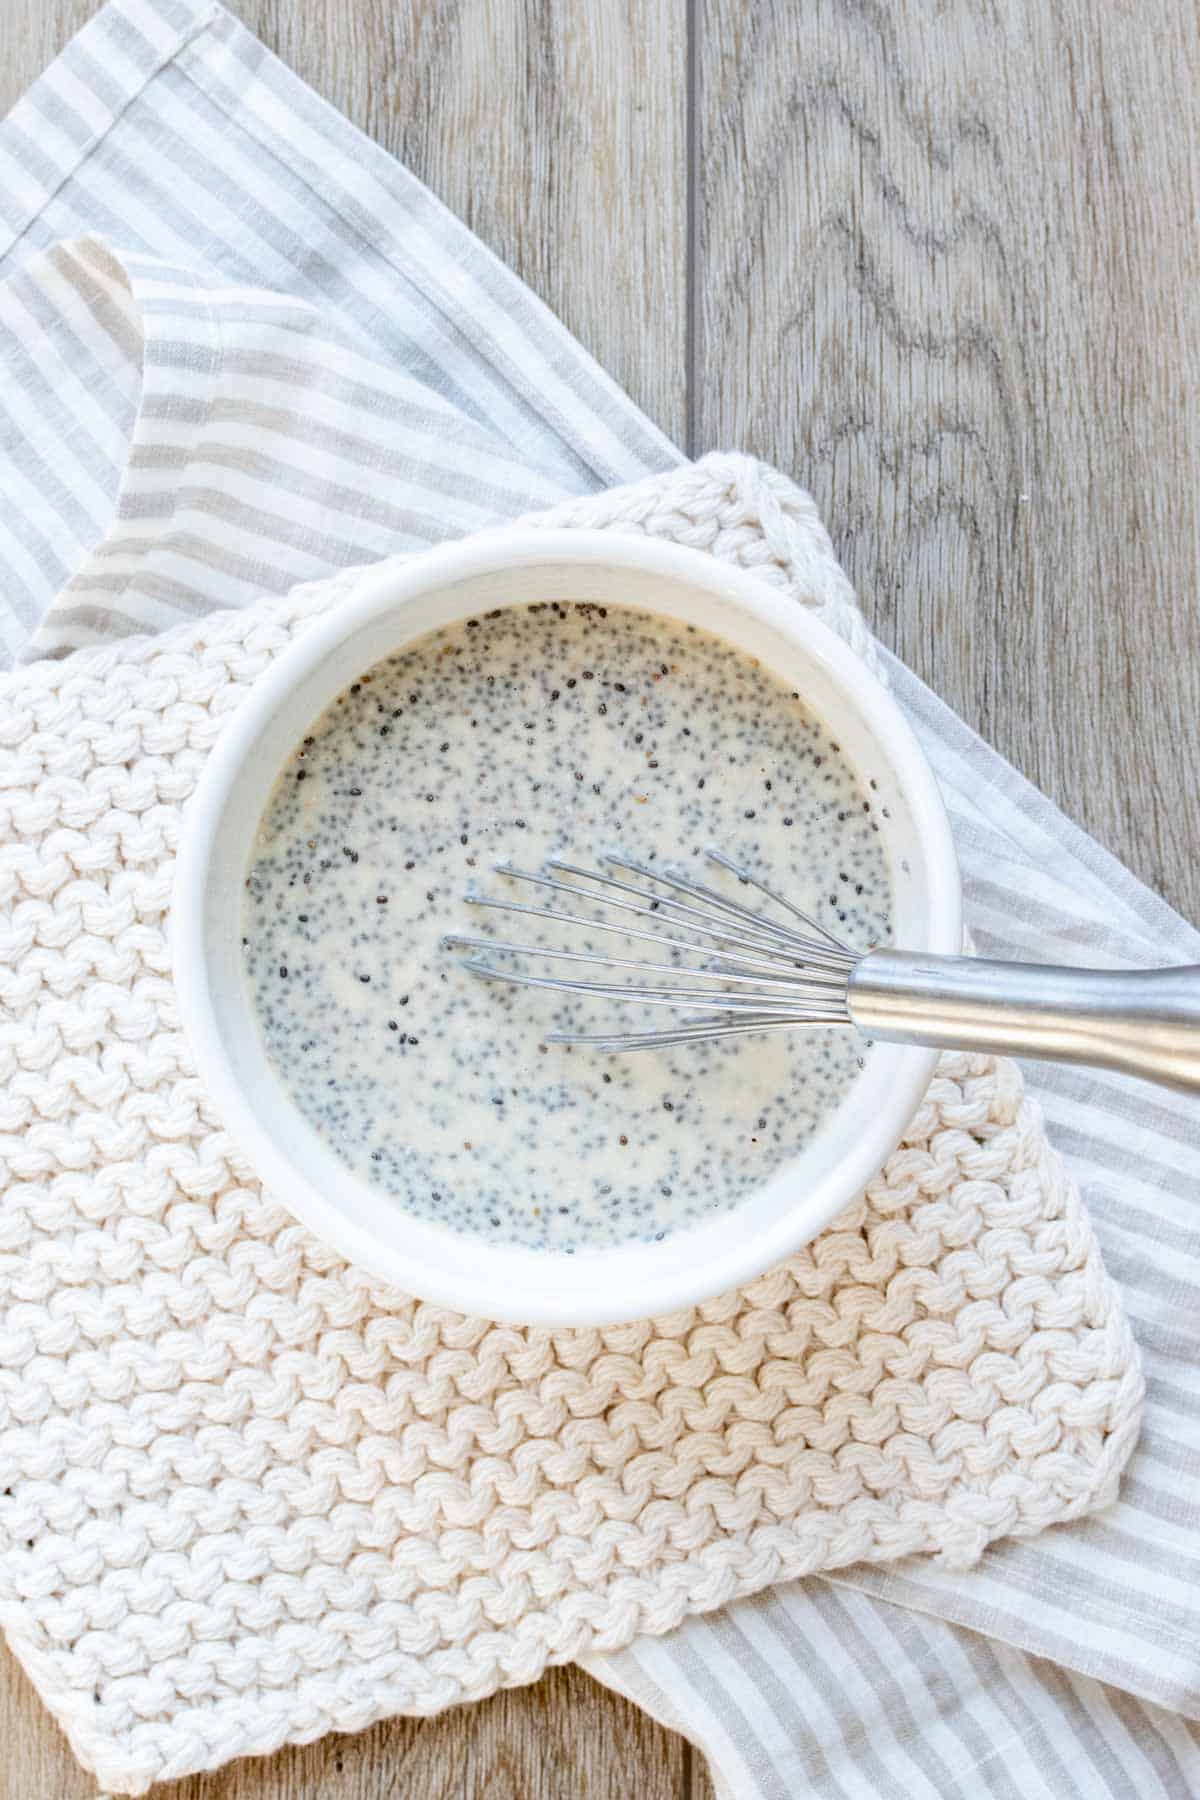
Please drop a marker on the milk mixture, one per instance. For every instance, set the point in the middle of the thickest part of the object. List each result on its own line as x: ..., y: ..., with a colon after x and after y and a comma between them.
x: 531, y: 732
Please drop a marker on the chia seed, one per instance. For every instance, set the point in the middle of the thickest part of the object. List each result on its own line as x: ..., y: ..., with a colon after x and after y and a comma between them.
x: 548, y: 1165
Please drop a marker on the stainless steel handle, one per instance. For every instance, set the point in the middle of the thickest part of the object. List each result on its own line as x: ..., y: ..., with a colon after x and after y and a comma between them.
x: 1143, y: 1021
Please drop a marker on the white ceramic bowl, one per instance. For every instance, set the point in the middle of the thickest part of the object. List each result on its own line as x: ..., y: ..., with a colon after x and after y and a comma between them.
x: 389, y: 610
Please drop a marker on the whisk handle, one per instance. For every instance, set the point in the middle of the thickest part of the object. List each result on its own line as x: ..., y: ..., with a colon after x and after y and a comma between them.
x: 1143, y: 1022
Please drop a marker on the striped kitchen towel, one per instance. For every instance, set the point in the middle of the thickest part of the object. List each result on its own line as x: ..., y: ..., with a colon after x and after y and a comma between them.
x: 267, y: 353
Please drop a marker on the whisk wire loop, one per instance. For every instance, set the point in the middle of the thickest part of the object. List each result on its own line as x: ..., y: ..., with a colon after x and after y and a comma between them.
x: 766, y: 975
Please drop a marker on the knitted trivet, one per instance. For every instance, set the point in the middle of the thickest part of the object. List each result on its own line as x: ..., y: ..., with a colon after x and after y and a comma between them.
x: 248, y: 1495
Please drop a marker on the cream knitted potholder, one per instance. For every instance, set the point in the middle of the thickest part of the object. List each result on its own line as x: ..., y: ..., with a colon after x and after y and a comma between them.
x: 250, y: 1495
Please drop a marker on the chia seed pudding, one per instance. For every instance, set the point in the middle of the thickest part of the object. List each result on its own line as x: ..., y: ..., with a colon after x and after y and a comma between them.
x: 545, y: 730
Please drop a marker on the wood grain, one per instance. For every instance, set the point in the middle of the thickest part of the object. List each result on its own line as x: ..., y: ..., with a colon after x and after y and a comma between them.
x: 32, y: 32
x: 556, y: 132
x: 946, y: 276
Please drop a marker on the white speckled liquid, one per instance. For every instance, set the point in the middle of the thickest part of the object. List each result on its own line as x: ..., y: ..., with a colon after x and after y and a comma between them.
x: 530, y: 732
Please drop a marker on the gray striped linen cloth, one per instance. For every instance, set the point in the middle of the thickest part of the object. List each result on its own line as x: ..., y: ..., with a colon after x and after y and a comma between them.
x: 239, y: 347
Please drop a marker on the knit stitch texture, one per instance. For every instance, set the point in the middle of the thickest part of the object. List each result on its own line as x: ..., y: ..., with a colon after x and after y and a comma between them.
x: 249, y: 1495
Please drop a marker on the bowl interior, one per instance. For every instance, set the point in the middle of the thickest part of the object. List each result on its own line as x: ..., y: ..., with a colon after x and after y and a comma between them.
x: 390, y: 610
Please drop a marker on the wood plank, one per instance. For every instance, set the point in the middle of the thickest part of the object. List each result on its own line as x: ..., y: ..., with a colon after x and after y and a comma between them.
x: 946, y: 278
x: 32, y: 32
x: 558, y: 134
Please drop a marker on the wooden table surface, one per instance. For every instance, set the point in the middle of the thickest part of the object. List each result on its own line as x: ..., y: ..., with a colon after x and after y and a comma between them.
x: 938, y: 261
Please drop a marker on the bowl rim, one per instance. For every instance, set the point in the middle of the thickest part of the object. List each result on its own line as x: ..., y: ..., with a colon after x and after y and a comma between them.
x: 483, y: 1282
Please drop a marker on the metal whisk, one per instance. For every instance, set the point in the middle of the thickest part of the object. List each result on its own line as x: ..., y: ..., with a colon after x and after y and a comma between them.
x: 738, y: 969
